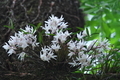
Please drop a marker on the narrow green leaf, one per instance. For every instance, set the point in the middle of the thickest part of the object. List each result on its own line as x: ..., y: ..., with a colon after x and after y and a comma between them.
x: 7, y: 26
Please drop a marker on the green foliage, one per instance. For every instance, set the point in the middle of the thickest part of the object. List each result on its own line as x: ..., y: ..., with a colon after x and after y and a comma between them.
x: 40, y: 33
x: 36, y: 27
x: 11, y: 24
x: 103, y: 18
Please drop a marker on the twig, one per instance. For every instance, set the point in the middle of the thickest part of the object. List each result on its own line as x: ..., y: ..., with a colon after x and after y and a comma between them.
x: 13, y: 4
x: 40, y: 3
x: 69, y: 15
x: 50, y: 10
x: 11, y: 10
x: 24, y: 9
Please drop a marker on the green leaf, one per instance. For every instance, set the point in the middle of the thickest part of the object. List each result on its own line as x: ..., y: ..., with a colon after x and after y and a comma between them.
x: 94, y: 36
x: 38, y: 25
x: 11, y: 25
x: 25, y: 32
x: 40, y: 36
x: 106, y: 29
x: 91, y: 10
x: 81, y: 29
x: 8, y: 26
x: 32, y: 25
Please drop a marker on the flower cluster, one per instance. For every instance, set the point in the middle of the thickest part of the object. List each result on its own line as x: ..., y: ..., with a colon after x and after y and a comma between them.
x: 85, y: 53
x: 81, y: 52
x: 77, y: 50
x: 54, y: 24
x: 21, y: 40
x: 46, y: 54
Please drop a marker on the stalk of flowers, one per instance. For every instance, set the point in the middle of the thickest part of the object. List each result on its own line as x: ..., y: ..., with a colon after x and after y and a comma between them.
x: 76, y: 50
x: 20, y: 41
x: 55, y: 26
x: 87, y: 53
x: 80, y: 52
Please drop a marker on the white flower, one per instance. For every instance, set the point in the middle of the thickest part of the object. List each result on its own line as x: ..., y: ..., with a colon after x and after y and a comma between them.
x: 80, y: 53
x: 21, y: 56
x: 47, y: 29
x: 84, y: 58
x: 29, y: 29
x: 51, y: 55
x: 6, y: 46
x: 80, y: 45
x: 54, y: 24
x: 63, y: 25
x: 44, y: 57
x: 11, y: 51
x: 21, y: 40
x: 46, y: 49
x: 73, y: 63
x: 105, y: 44
x: 60, y: 36
x: 90, y: 44
x: 72, y: 45
x: 33, y: 42
x: 82, y: 34
x: 46, y: 54
x: 102, y: 45
x: 55, y: 47
x: 71, y: 54
x: 79, y: 36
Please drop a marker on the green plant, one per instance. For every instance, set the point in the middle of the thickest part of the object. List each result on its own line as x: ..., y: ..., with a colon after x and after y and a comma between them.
x: 102, y: 20
x: 60, y: 51
x: 11, y: 24
x: 39, y: 32
x: 103, y: 17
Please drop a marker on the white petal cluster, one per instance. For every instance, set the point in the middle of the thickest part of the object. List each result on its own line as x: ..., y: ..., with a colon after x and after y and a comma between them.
x: 54, y: 24
x: 21, y: 40
x: 61, y: 36
x: 82, y: 34
x: 78, y: 49
x: 82, y: 60
x: 21, y: 56
x: 85, y: 53
x: 46, y: 54
x: 103, y: 44
x: 102, y: 47
x: 55, y: 46
x: 81, y: 53
x: 77, y: 46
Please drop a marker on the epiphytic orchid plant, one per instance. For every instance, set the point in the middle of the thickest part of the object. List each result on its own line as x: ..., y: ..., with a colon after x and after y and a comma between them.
x: 78, y: 53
